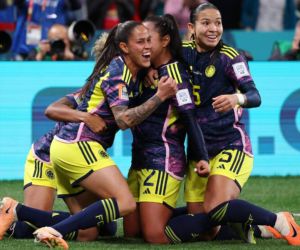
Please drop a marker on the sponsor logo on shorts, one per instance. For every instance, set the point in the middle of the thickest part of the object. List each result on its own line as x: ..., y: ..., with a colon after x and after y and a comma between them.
x: 103, y: 154
x: 50, y: 174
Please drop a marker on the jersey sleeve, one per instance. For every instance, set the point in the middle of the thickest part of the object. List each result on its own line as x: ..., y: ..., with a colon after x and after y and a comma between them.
x: 238, y: 71
x: 184, y: 98
x: 116, y: 92
x: 74, y: 98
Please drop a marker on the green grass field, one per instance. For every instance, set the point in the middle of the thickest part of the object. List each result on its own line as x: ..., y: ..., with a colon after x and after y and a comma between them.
x: 273, y: 193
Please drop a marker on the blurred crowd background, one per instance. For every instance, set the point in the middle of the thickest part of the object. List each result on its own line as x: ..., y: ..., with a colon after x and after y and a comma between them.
x: 66, y: 29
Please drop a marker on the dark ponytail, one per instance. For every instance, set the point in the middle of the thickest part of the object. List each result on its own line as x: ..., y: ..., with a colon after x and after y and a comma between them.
x: 166, y: 25
x: 120, y: 33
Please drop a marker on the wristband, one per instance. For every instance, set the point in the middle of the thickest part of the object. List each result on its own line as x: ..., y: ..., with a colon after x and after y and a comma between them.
x: 241, y: 99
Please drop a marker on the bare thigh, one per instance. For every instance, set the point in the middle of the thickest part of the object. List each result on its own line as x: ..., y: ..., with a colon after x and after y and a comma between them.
x: 219, y: 189
x: 110, y: 183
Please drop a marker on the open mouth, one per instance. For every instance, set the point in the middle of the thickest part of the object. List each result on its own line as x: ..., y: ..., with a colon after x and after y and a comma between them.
x: 147, y: 55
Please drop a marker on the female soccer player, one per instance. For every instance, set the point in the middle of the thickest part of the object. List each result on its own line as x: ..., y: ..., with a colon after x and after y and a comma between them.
x: 39, y: 177
x: 222, y: 85
x: 83, y: 168
x: 158, y: 153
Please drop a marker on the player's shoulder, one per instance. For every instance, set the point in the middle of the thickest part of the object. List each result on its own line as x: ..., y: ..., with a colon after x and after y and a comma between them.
x: 229, y: 52
x: 188, y: 48
x: 176, y: 70
x: 118, y: 69
x: 189, y: 44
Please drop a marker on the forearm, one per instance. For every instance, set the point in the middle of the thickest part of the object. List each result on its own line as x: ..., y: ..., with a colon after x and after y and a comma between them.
x: 127, y: 118
x: 195, y: 136
x: 65, y: 114
x: 251, y: 96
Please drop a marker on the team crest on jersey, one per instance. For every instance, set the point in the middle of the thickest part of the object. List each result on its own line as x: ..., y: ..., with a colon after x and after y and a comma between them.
x: 240, y: 70
x: 103, y: 154
x: 210, y: 71
x: 123, y: 94
x: 50, y: 174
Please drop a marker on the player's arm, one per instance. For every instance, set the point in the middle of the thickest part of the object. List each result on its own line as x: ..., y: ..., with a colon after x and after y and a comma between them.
x: 248, y: 97
x: 196, y: 142
x: 64, y: 110
x: 186, y: 108
x: 129, y: 117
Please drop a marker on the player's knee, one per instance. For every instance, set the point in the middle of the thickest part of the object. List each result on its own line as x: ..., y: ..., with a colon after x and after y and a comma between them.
x: 155, y: 236
x: 126, y: 206
x: 208, y: 206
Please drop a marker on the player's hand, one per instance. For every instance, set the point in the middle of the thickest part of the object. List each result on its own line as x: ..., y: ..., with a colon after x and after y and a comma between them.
x: 95, y: 123
x: 202, y: 168
x: 151, y: 77
x: 167, y: 87
x: 224, y: 103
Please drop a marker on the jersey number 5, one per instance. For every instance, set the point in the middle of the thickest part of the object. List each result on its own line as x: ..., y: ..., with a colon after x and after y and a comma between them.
x: 196, y: 94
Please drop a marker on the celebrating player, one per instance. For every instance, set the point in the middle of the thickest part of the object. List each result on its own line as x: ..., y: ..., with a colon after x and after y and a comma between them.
x: 222, y: 85
x: 83, y: 168
x: 158, y: 152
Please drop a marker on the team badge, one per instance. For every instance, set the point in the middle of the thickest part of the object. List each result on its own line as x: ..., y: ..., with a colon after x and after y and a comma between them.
x: 123, y: 94
x: 103, y: 154
x: 210, y: 71
x: 240, y: 70
x: 50, y: 174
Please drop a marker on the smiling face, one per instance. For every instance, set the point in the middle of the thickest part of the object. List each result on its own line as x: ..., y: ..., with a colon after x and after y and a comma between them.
x: 157, y: 43
x: 138, y: 47
x: 207, y: 29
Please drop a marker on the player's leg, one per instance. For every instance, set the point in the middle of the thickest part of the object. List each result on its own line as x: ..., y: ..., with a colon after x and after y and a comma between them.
x: 131, y: 222
x: 158, y: 195
x: 98, y: 175
x: 221, y: 211
x: 194, y: 192
x: 39, y: 192
x: 196, y: 189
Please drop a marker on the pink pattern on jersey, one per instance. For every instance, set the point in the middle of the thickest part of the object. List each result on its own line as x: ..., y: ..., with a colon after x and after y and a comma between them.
x: 246, y: 142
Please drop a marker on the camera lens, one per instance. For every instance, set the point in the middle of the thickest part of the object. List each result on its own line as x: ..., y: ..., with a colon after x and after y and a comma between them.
x: 57, y: 46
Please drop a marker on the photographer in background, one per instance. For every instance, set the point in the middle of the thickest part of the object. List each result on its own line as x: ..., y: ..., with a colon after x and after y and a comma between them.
x: 56, y: 48
x: 287, y: 50
x: 34, y: 18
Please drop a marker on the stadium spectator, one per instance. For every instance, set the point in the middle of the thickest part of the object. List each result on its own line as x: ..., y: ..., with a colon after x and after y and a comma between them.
x: 34, y: 19
x: 105, y: 14
x: 219, y: 71
x: 181, y: 9
x: 263, y: 15
x: 145, y: 8
x: 158, y: 153
x: 7, y: 27
x: 287, y: 50
x: 7, y: 16
x: 90, y: 171
x: 57, y: 47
